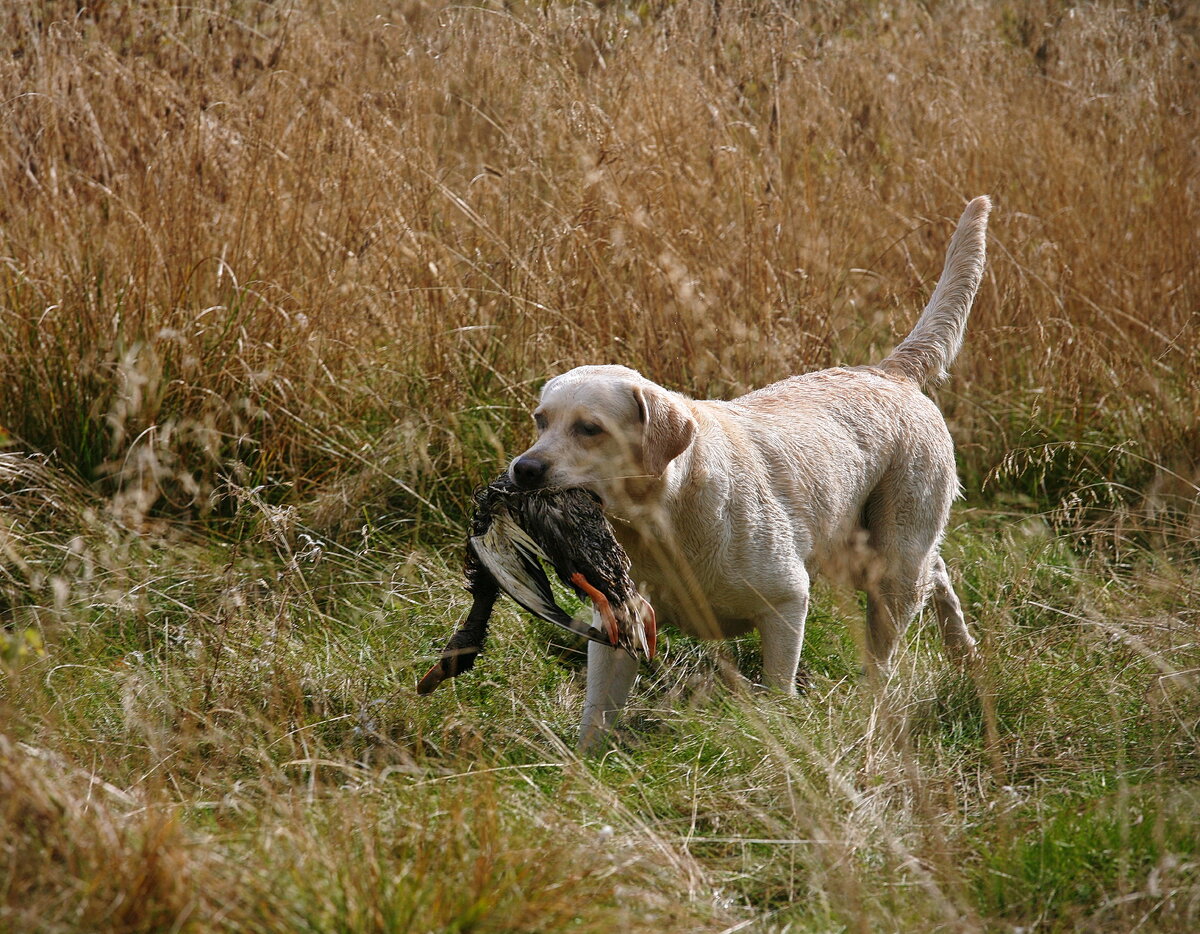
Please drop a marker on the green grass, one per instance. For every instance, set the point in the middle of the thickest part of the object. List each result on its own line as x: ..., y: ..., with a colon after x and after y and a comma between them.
x: 1107, y: 852
x: 250, y: 705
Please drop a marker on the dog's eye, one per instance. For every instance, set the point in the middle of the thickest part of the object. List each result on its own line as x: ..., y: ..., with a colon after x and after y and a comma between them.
x: 539, y: 421
x: 588, y: 429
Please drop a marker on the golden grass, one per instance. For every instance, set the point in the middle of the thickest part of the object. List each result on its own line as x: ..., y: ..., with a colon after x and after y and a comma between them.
x: 258, y: 231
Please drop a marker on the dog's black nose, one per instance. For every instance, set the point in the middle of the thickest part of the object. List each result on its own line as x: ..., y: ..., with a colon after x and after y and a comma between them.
x: 529, y: 472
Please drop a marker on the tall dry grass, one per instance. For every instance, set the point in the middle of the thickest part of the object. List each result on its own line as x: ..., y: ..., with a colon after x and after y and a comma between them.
x: 276, y: 233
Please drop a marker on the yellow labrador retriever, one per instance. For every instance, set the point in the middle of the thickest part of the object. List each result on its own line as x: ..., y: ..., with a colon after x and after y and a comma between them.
x: 727, y: 509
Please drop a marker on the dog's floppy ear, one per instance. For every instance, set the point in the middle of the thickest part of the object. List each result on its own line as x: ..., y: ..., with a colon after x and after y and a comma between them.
x: 667, y: 428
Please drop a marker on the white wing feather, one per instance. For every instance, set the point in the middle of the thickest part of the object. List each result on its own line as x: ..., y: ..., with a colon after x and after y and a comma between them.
x: 514, y: 559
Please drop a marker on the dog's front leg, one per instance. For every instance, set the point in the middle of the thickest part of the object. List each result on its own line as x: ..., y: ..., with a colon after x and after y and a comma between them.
x: 782, y: 631
x: 610, y: 675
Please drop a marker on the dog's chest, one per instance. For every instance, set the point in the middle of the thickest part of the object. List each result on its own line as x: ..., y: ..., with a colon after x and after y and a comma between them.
x: 690, y: 588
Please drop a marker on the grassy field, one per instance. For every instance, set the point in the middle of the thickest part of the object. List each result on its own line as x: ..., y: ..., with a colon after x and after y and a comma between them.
x: 278, y: 284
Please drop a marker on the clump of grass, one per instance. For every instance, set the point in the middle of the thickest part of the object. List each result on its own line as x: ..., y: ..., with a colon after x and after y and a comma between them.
x: 247, y: 708
x: 84, y: 854
x: 1106, y: 860
x: 445, y: 853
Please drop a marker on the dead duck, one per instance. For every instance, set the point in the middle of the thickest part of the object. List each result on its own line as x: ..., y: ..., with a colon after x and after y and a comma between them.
x: 512, y: 532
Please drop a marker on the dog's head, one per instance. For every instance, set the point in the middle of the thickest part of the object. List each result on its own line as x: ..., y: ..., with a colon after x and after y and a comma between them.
x: 606, y: 429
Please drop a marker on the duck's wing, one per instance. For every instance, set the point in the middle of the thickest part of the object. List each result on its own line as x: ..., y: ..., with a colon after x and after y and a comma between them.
x: 587, y: 557
x: 515, y: 561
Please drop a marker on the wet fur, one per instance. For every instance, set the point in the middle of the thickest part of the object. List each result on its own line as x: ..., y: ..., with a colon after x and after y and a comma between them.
x: 727, y: 509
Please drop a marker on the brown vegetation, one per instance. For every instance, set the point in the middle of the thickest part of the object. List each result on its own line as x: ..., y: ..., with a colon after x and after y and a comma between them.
x: 264, y: 231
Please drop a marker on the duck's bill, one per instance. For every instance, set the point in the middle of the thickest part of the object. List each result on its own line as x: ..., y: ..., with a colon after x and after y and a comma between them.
x: 454, y: 661
x: 433, y: 677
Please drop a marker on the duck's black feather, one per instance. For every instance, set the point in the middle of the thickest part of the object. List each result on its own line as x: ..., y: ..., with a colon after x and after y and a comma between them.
x: 512, y: 532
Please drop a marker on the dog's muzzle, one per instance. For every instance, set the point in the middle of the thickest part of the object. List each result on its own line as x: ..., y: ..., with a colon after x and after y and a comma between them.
x: 529, y: 472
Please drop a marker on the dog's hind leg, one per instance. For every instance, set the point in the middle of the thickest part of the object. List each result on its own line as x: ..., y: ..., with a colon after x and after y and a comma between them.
x: 904, y: 517
x: 892, y: 602
x: 956, y: 638
x: 893, y: 599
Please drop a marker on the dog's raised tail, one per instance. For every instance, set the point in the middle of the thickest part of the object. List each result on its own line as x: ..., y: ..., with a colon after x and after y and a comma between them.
x: 926, y: 354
